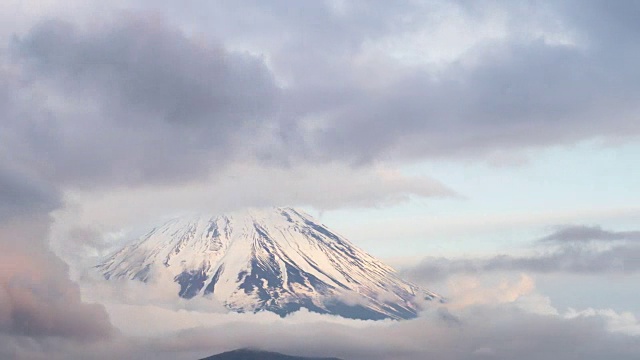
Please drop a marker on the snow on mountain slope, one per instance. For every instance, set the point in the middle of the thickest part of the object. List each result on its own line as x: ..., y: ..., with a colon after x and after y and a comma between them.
x: 277, y: 260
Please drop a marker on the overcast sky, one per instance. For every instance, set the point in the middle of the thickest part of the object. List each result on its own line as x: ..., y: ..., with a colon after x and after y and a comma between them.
x: 488, y: 150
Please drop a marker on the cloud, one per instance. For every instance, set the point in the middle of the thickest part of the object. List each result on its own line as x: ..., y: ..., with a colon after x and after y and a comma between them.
x: 502, y: 332
x: 133, y: 99
x: 589, y: 233
x: 38, y: 302
x: 440, y: 338
x: 463, y: 291
x: 160, y: 104
x: 21, y: 194
x: 152, y: 90
x: 625, y: 322
x: 526, y: 75
x: 37, y: 299
x: 619, y: 259
x: 509, y: 94
x: 324, y: 187
x: 574, y: 254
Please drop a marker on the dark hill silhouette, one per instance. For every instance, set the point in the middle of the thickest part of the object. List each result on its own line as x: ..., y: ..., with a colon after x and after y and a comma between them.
x: 251, y: 354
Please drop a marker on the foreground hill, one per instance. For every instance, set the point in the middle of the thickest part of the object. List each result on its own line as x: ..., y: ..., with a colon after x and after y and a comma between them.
x: 248, y: 354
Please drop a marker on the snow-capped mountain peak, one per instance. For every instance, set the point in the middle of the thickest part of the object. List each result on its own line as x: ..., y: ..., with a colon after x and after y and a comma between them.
x: 278, y: 260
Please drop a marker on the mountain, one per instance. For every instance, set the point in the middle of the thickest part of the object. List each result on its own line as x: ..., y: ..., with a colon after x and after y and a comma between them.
x: 248, y: 354
x: 278, y: 260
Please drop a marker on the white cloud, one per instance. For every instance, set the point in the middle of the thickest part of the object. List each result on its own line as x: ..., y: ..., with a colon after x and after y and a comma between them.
x: 466, y: 290
x: 94, y: 220
x: 622, y: 322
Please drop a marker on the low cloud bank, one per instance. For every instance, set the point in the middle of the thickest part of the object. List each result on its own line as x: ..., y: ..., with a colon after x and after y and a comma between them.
x: 476, y: 332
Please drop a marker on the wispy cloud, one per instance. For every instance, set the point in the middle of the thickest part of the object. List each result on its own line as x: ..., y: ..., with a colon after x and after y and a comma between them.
x: 588, y: 234
x: 573, y: 254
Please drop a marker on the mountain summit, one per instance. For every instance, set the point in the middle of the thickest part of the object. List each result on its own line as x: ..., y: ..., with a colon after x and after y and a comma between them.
x: 278, y: 260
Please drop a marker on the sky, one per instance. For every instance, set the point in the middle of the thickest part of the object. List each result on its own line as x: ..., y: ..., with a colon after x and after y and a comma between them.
x: 487, y: 150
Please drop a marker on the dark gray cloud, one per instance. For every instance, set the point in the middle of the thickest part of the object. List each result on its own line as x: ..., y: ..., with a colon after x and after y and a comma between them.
x: 533, y: 94
x: 574, y: 254
x: 619, y: 259
x: 133, y: 100
x: 589, y: 233
x: 520, y: 93
x: 504, y: 94
x: 20, y: 195
x: 142, y: 66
